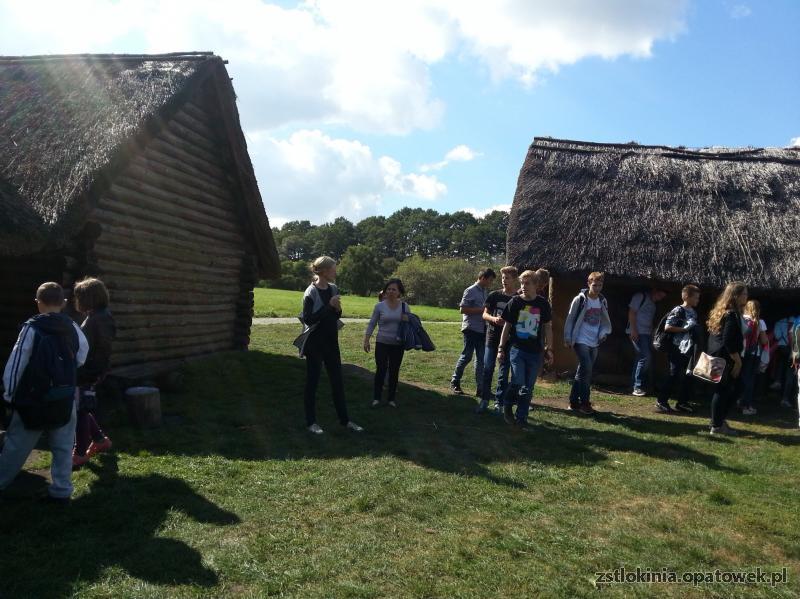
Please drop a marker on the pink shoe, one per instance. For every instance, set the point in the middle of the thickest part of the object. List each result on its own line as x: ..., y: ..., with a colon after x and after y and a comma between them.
x: 96, y: 447
x: 79, y: 460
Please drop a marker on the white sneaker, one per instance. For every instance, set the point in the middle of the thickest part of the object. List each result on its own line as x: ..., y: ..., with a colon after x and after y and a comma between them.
x: 354, y: 427
x: 392, y: 404
x: 786, y: 404
x: 775, y: 386
x: 375, y: 403
x: 749, y: 411
x: 316, y: 429
x: 639, y: 392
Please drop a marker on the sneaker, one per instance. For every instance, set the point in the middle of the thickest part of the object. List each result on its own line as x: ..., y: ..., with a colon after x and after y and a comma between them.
x: 639, y: 392
x: 392, y: 404
x: 586, y: 408
x: 375, y: 403
x: 775, y: 386
x: 724, y: 430
x: 508, y: 414
x: 498, y: 409
x: 523, y: 427
x: 316, y: 429
x: 354, y: 427
x: 573, y: 407
x: 663, y: 407
x: 684, y: 407
x: 482, y: 407
x: 456, y: 388
x: 749, y: 411
x: 786, y: 403
x: 96, y: 447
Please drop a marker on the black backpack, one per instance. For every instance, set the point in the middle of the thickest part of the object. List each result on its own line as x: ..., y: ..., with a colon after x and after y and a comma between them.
x: 662, y: 339
x: 46, y: 391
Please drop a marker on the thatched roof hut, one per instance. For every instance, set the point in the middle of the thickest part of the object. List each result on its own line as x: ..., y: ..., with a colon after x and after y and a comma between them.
x: 657, y: 213
x: 134, y: 168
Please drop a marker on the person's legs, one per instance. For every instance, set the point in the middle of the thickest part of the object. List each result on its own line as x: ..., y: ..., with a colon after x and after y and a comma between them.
x: 686, y: 381
x: 463, y: 359
x: 724, y: 395
x: 396, y: 353
x: 790, y: 388
x: 61, y: 441
x: 677, y: 370
x: 641, y: 367
x: 95, y: 432
x: 82, y: 432
x: 748, y: 376
x: 17, y: 447
x: 479, y: 345
x: 313, y: 371
x: 587, y: 388
x: 381, y: 366
x: 502, y: 378
x: 489, y: 358
x: 583, y: 375
x: 575, y: 391
x: 511, y: 397
x: 333, y: 366
x: 531, y: 369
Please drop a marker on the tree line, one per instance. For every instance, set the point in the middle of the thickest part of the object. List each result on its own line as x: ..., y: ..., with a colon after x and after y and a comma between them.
x: 375, y: 248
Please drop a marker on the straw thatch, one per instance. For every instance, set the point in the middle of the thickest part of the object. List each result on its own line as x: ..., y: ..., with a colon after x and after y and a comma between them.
x: 659, y: 213
x: 68, y: 123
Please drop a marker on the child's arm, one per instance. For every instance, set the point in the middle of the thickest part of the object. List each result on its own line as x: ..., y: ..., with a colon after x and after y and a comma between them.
x: 504, y: 338
x: 18, y: 361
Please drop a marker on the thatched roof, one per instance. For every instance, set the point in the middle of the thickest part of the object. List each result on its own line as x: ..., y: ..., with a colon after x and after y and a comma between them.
x: 659, y: 213
x: 68, y: 122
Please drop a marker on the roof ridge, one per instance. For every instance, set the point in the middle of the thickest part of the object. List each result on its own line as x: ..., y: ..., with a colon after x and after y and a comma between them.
x: 195, y: 55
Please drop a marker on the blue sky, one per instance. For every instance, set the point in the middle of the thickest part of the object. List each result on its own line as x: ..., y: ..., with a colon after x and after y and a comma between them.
x: 351, y: 108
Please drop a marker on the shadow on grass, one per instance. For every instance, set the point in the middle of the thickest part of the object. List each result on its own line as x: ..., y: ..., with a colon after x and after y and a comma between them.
x: 249, y: 406
x: 114, y: 525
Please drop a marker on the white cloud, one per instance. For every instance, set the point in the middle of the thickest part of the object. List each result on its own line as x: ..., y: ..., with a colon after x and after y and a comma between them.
x: 364, y: 64
x: 481, y: 212
x: 794, y: 142
x: 740, y: 11
x: 460, y: 153
x: 313, y: 176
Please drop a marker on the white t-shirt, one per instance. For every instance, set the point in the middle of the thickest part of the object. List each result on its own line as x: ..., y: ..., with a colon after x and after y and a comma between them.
x: 589, y: 332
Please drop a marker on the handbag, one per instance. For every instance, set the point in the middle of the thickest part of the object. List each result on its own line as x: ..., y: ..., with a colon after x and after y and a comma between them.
x: 709, y: 368
x: 410, y: 333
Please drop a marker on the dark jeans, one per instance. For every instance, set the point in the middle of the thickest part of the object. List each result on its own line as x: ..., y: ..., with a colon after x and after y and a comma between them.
x: 582, y: 385
x: 782, y: 361
x: 749, y: 378
x: 473, y: 343
x: 641, y: 367
x: 525, y: 367
x: 790, y: 385
x: 489, y: 360
x: 387, y: 358
x: 678, y: 363
x: 724, y: 397
x: 316, y: 356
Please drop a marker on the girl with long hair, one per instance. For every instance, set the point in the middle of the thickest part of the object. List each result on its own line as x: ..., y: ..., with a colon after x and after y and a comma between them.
x: 726, y: 341
x: 754, y: 342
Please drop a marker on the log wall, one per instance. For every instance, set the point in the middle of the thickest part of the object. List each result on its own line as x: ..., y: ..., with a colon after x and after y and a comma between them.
x: 173, y: 249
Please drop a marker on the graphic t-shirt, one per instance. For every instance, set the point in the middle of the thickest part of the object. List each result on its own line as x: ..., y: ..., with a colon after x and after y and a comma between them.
x: 527, y: 318
x: 495, y: 304
x: 589, y: 332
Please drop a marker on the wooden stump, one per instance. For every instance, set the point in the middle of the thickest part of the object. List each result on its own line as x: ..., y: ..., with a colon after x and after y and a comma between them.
x: 144, y: 406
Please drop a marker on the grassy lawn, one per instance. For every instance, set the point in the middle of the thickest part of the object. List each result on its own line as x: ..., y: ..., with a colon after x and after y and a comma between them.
x: 277, y: 302
x: 232, y: 497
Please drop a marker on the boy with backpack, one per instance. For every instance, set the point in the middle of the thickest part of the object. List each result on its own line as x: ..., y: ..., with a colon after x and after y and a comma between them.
x: 681, y: 326
x: 40, y: 381
x: 641, y: 314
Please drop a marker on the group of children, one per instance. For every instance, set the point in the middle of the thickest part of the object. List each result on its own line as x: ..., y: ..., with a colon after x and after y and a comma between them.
x: 50, y: 384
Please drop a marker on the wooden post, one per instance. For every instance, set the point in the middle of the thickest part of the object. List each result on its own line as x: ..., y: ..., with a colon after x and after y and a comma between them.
x: 144, y: 406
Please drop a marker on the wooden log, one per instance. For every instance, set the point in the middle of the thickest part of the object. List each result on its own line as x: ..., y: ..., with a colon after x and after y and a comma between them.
x: 138, y: 180
x: 152, y: 194
x: 121, y: 283
x: 117, y: 250
x: 124, y: 347
x: 166, y: 322
x: 165, y: 330
x: 172, y: 241
x: 203, y: 179
x: 198, y: 113
x: 184, y: 132
x: 178, y: 149
x: 158, y: 169
x: 200, y: 155
x: 125, y: 296
x: 137, y: 215
x: 144, y: 406
x: 105, y: 252
x: 206, y: 131
x: 117, y: 270
x: 175, y: 185
x: 171, y: 309
x: 181, y: 352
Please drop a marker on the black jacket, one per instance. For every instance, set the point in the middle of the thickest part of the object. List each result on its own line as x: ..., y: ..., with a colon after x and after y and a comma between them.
x: 100, y: 331
x: 730, y: 339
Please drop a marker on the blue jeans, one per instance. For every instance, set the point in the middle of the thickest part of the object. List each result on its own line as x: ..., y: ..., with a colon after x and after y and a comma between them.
x: 489, y: 360
x: 749, y: 377
x: 641, y: 368
x: 582, y: 385
x: 524, y: 369
x: 473, y: 343
x: 21, y: 441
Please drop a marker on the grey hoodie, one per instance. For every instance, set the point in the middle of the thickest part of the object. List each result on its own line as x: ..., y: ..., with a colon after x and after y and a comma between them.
x: 577, y: 311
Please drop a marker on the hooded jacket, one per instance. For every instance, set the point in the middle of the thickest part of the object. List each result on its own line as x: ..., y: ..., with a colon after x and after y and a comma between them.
x: 577, y: 312
x: 100, y: 330
x: 49, y: 323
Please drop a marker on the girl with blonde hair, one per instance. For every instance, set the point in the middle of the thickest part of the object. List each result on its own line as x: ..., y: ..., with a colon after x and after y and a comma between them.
x: 755, y: 340
x: 726, y: 341
x: 322, y: 308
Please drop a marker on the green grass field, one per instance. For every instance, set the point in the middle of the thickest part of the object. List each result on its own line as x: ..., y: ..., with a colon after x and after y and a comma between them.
x: 233, y: 498
x: 271, y: 303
